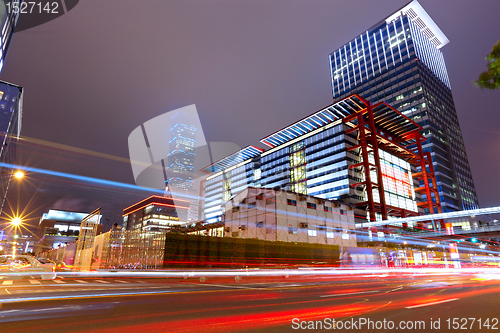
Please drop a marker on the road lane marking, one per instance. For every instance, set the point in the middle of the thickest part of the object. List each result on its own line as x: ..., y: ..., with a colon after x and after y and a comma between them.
x: 35, y: 282
x: 228, y: 286
x: 432, y: 303
x: 7, y: 283
x: 140, y: 281
x: 361, y: 292
x: 121, y: 281
x: 81, y: 281
x: 101, y: 281
x: 58, y: 281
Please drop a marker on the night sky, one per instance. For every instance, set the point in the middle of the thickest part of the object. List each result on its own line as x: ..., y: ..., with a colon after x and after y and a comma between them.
x: 94, y: 74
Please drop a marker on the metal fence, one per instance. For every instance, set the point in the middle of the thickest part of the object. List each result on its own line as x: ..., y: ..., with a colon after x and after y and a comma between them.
x: 130, y: 249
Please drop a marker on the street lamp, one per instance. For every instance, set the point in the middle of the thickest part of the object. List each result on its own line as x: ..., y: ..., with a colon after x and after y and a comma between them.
x: 18, y: 174
x: 16, y: 222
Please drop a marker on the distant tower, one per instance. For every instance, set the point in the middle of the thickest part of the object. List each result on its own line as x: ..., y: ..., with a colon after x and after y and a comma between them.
x: 180, y: 160
x: 399, y: 61
x: 179, y: 164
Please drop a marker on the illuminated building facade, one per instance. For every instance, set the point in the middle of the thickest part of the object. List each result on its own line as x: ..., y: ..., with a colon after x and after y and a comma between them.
x: 57, y: 228
x: 180, y: 160
x: 286, y: 216
x: 153, y: 214
x: 228, y: 177
x: 179, y: 164
x: 11, y: 98
x: 399, y: 61
x: 11, y: 111
x: 9, y: 22
x: 350, y: 151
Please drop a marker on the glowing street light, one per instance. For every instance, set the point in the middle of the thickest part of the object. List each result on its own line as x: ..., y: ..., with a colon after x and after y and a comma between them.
x: 16, y: 222
x: 19, y: 174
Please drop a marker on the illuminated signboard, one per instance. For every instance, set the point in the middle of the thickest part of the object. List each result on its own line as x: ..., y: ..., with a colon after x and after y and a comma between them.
x: 398, y: 182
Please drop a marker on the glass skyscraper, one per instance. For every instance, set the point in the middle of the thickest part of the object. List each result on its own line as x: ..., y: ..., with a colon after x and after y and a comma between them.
x: 180, y: 161
x: 11, y: 98
x: 399, y: 61
x: 9, y: 22
x: 11, y: 110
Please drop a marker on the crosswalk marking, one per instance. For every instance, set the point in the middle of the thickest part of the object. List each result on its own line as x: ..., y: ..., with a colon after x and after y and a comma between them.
x: 59, y: 281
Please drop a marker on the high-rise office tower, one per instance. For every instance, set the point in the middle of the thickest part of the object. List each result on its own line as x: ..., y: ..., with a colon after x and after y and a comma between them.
x: 179, y: 164
x: 11, y: 110
x: 11, y: 98
x: 180, y: 160
x: 399, y: 61
x: 9, y: 18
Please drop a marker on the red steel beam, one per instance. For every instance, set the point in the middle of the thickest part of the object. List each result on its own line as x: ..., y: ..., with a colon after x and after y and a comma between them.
x: 364, y: 153
x: 381, y: 193
x: 424, y: 174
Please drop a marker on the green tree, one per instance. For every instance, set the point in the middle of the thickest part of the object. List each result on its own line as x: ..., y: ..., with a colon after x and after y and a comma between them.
x: 490, y: 79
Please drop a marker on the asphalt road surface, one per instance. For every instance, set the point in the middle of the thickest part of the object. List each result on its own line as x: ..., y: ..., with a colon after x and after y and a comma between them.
x: 364, y: 302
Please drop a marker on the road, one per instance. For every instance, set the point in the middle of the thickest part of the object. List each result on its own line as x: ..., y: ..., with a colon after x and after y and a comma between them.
x: 254, y: 304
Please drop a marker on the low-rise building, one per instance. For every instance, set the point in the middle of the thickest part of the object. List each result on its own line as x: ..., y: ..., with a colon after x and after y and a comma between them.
x: 280, y: 215
x: 57, y: 228
x: 154, y: 214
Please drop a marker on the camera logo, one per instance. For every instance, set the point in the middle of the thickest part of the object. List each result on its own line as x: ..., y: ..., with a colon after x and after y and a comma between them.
x: 168, y: 152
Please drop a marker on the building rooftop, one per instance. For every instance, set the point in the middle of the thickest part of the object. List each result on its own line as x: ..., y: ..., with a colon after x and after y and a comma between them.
x: 331, y: 113
x: 424, y: 22
x: 63, y: 216
x: 386, y: 118
x: 233, y: 159
x: 154, y: 200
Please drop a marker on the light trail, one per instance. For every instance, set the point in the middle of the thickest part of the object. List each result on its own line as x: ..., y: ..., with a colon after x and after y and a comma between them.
x: 282, y: 272
x: 60, y: 297
x: 431, y: 303
x: 421, y: 218
x: 346, y: 294
x: 82, y: 178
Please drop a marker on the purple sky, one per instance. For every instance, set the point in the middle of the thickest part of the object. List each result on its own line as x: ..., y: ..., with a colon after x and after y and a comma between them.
x: 251, y: 67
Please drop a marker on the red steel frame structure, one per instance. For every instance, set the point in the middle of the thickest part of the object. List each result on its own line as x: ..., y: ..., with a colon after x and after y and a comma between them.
x: 382, y: 127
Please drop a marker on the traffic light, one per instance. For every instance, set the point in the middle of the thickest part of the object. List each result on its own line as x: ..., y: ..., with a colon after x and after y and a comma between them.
x: 473, y: 240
